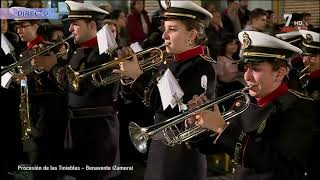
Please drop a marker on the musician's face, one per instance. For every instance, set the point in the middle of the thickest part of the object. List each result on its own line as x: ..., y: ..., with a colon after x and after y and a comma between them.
x: 83, y: 30
x: 313, y: 61
x: 27, y: 31
x: 177, y: 37
x: 263, y: 79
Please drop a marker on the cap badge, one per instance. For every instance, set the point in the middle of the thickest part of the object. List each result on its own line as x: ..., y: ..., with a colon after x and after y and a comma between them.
x: 309, y: 38
x: 168, y: 3
x: 246, y: 40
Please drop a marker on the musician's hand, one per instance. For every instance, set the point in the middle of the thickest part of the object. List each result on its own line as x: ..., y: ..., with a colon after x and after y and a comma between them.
x: 17, y: 77
x: 193, y: 104
x: 129, y: 68
x: 124, y: 52
x: 44, y: 62
x: 211, y: 120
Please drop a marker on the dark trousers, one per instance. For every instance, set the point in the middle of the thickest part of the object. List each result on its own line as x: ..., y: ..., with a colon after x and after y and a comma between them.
x: 95, y: 142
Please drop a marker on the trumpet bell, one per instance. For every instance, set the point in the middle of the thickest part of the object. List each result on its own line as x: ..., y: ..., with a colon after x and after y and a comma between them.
x: 138, y: 137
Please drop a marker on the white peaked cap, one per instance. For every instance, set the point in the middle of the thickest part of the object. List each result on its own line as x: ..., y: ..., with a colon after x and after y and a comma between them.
x: 85, y: 10
x: 311, y: 42
x: 258, y: 46
x: 182, y: 9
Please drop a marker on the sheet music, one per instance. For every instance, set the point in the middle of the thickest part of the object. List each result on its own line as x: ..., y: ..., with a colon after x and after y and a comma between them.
x: 170, y: 91
x: 136, y: 47
x: 106, y: 41
x: 6, y: 79
x: 6, y: 45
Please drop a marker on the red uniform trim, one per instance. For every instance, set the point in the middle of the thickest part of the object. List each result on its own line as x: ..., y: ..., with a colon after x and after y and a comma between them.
x: 281, y: 90
x: 39, y: 39
x: 90, y: 43
x: 190, y: 53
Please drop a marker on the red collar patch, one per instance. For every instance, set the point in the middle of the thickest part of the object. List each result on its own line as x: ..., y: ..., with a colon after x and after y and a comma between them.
x: 190, y: 53
x: 281, y: 90
x: 90, y: 43
x: 39, y: 39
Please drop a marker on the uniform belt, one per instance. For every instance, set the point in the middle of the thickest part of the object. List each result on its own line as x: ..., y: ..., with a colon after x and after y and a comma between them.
x: 91, y: 112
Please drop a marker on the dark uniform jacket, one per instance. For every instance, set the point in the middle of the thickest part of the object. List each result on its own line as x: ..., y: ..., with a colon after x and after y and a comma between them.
x: 313, y: 86
x: 178, y: 162
x: 272, y: 141
x: 10, y: 98
x: 48, y: 112
x: 93, y: 129
x: 313, y: 90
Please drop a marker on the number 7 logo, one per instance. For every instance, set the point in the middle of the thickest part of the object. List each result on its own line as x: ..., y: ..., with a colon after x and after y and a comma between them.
x: 288, y: 18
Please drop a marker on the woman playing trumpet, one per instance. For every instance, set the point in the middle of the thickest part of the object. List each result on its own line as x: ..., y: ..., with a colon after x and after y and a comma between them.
x: 184, y: 36
x: 273, y: 138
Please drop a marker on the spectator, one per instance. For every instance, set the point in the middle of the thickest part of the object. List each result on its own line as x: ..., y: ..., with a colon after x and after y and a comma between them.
x: 244, y: 13
x: 215, y: 32
x: 138, y: 22
x: 229, y: 76
x: 230, y: 17
x: 120, y: 19
x: 271, y: 23
x: 307, y: 20
x: 257, y: 21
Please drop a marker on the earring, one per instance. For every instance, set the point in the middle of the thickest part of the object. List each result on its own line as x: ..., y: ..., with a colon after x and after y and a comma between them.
x: 189, y: 43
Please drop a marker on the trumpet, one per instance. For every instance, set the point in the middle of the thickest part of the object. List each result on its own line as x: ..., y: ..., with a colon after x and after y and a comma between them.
x: 172, y: 136
x: 155, y: 58
x: 27, y: 60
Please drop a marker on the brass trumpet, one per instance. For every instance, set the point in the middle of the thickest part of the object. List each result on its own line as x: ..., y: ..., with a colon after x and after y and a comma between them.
x: 28, y: 59
x: 172, y: 136
x: 155, y: 58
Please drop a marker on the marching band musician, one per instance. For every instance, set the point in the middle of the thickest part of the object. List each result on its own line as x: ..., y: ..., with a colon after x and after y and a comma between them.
x: 184, y: 38
x: 272, y: 139
x: 9, y: 95
x: 47, y: 105
x: 92, y: 134
x: 295, y: 81
x: 311, y: 58
x: 310, y: 46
